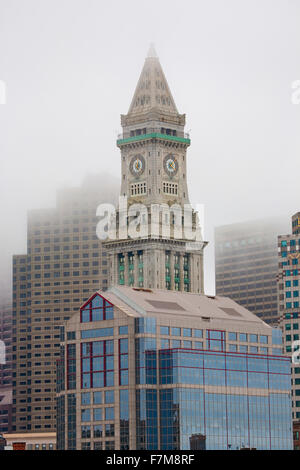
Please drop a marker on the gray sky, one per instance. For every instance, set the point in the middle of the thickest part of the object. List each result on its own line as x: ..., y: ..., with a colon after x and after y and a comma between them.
x: 71, y: 67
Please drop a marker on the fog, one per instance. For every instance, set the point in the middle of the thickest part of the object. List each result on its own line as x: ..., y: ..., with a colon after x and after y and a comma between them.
x: 71, y: 67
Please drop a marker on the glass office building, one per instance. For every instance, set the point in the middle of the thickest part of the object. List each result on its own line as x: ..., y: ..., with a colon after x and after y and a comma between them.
x: 288, y: 283
x: 158, y: 370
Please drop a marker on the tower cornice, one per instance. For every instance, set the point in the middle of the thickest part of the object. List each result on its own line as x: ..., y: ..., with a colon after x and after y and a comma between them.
x: 155, y: 136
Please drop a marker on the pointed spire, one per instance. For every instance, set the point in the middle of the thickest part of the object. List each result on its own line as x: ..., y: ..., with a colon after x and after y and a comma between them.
x: 152, y: 52
x: 152, y: 91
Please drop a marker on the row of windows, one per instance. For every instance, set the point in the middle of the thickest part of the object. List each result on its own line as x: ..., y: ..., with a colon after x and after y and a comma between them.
x: 170, y: 188
x: 138, y: 188
x: 98, y: 430
x: 97, y: 414
x: 291, y: 242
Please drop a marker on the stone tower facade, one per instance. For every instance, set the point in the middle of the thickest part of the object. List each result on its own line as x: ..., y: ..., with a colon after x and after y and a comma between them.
x: 163, y: 253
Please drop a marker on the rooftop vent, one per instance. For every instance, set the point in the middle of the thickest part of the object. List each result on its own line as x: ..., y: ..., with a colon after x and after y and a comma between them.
x: 142, y: 289
x: 231, y: 311
x: 162, y: 305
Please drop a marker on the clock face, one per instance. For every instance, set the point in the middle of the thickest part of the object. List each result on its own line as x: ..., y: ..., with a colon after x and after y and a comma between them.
x: 170, y: 165
x: 137, y: 165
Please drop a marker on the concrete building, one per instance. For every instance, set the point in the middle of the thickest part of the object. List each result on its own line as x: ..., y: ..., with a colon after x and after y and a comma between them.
x: 289, y: 303
x: 246, y: 264
x: 31, y: 441
x: 154, y: 173
x: 6, y: 346
x: 5, y: 368
x: 152, y: 369
x: 63, y: 266
x: 296, y: 434
x: 5, y: 409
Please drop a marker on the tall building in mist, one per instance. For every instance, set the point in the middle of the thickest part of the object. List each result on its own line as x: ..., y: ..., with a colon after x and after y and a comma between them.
x: 289, y: 301
x: 64, y: 264
x: 5, y: 367
x: 246, y: 264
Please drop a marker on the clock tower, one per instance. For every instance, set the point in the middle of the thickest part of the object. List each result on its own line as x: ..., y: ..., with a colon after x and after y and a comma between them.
x: 153, y: 149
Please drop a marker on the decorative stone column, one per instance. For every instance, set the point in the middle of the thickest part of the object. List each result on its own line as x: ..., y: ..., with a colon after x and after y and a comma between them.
x: 136, y: 268
x: 172, y: 273
x: 126, y: 269
x: 181, y: 272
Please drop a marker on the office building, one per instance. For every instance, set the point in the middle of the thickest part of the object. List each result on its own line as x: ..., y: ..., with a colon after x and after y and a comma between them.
x: 63, y: 266
x: 289, y: 303
x: 5, y: 367
x: 246, y: 264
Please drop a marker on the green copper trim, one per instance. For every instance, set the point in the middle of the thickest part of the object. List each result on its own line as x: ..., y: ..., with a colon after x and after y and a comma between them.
x: 153, y: 135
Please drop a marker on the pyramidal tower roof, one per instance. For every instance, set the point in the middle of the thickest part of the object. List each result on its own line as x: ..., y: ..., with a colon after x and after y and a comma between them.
x: 152, y: 91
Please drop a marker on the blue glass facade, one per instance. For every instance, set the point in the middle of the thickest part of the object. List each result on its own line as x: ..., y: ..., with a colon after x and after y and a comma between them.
x: 173, y: 386
x: 229, y: 418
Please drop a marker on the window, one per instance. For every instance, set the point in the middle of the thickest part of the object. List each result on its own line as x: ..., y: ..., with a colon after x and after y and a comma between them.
x: 198, y: 333
x: 109, y: 397
x: 98, y: 430
x: 215, y: 340
x: 138, y: 189
x: 263, y: 339
x: 109, y: 430
x: 187, y: 332
x: 71, y: 366
x: 123, y: 361
x: 175, y: 331
x: 86, y: 415
x: 97, y: 364
x: 85, y: 334
x: 86, y: 398
x: 96, y: 309
x: 123, y: 330
x: 164, y: 330
x: 109, y: 414
x: 85, y: 432
x: 97, y: 398
x: 170, y: 188
x: 253, y: 338
x: 232, y: 336
x: 98, y: 414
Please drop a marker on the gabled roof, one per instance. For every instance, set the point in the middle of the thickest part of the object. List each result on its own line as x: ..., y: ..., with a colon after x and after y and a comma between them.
x: 142, y: 302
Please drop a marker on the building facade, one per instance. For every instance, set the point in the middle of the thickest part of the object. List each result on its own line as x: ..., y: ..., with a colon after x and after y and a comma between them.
x: 161, y: 370
x: 289, y: 302
x: 31, y: 441
x: 63, y: 266
x: 153, y: 149
x: 246, y: 265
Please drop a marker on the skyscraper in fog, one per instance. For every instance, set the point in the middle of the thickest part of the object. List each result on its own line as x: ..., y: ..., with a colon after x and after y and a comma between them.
x: 289, y: 301
x: 246, y: 264
x: 63, y: 266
